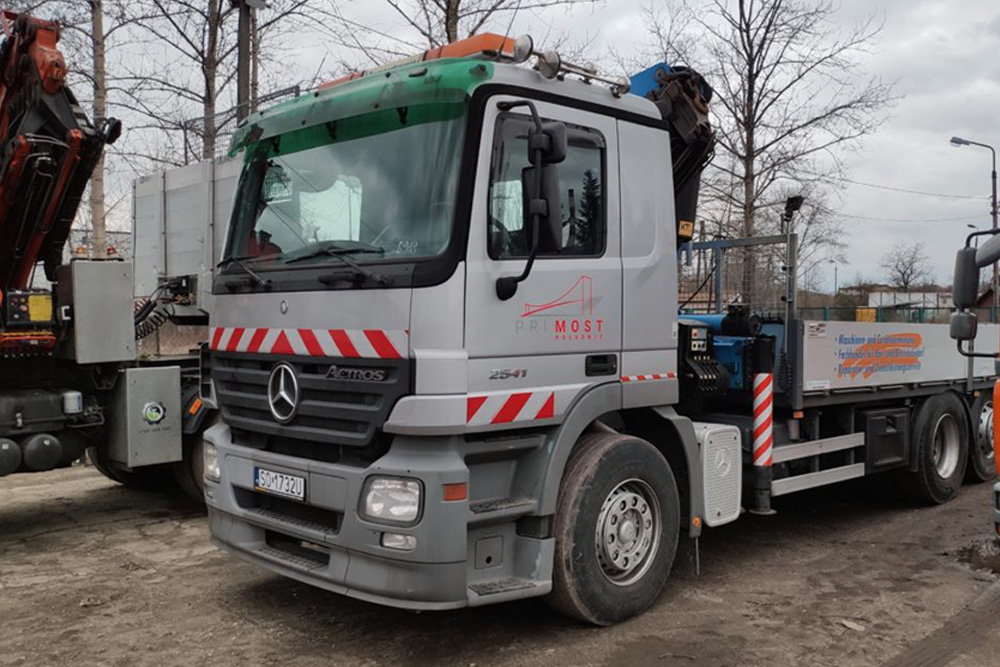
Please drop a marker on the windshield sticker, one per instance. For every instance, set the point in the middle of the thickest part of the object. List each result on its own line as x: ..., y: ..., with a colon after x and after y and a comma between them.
x: 868, y: 355
x: 568, y: 317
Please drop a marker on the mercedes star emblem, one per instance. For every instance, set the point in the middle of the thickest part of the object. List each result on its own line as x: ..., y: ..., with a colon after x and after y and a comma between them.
x: 283, y: 393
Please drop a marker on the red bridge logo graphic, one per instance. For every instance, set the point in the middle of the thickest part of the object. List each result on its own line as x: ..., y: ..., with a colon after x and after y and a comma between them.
x: 578, y: 300
x: 568, y: 317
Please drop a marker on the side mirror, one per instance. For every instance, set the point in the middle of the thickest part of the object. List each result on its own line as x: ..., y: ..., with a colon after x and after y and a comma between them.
x: 963, y: 326
x: 965, y: 285
x: 547, y: 145
x: 549, y: 141
x: 542, y: 207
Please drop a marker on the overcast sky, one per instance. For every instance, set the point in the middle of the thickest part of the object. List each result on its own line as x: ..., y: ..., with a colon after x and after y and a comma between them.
x: 944, y: 56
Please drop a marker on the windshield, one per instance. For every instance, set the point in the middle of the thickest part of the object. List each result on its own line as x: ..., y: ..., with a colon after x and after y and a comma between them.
x: 379, y: 187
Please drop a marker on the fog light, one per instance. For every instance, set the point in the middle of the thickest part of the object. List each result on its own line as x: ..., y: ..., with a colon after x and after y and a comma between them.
x: 393, y: 500
x: 400, y: 542
x: 212, y: 472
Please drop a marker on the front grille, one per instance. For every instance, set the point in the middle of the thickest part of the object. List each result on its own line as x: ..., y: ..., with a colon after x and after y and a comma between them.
x: 289, y: 511
x: 337, y: 420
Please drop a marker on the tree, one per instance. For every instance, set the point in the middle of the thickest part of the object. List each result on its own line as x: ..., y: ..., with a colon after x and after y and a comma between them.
x: 790, y: 98
x: 434, y: 23
x: 440, y: 22
x: 87, y: 32
x: 185, y: 66
x: 96, y: 198
x: 906, y: 266
x: 591, y: 209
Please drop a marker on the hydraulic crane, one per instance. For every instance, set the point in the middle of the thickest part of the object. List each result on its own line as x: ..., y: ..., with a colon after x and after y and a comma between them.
x: 69, y: 375
x: 47, y: 153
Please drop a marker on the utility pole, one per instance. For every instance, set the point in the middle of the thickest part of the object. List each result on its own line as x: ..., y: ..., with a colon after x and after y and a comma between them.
x: 958, y: 142
x: 244, y: 55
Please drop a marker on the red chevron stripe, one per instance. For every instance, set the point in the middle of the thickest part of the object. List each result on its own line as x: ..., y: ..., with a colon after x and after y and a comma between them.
x: 511, y: 408
x: 472, y: 407
x: 548, y: 410
x: 257, y: 341
x: 217, y: 337
x: 282, y: 346
x: 234, y: 340
x: 312, y: 345
x: 343, y: 343
x: 383, y: 346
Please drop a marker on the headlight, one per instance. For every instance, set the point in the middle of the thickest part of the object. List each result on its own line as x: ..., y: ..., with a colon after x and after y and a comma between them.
x: 392, y: 500
x: 212, y: 472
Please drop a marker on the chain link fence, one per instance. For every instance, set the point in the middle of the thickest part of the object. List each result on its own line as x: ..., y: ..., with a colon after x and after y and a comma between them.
x: 221, y: 126
x: 903, y: 314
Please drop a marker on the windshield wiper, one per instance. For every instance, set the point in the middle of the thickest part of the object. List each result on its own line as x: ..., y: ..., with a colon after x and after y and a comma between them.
x: 238, y: 261
x: 341, y: 255
x: 334, y: 250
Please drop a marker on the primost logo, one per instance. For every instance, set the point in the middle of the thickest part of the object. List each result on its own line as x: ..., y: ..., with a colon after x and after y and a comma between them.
x: 569, y: 316
x: 357, y: 374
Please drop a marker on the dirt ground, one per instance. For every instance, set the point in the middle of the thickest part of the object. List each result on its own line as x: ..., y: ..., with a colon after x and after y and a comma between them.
x: 94, y: 574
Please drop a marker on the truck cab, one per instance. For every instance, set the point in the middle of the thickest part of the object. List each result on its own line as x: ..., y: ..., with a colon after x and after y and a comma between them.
x: 415, y: 426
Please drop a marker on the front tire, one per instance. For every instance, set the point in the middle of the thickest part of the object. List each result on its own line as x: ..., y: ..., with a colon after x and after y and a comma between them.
x: 616, y: 529
x: 941, y: 437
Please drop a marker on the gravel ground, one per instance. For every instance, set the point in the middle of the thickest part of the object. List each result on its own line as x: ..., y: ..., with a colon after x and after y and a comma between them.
x: 94, y: 574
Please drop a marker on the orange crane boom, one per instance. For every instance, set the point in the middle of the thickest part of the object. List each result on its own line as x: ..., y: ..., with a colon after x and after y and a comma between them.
x: 48, y: 149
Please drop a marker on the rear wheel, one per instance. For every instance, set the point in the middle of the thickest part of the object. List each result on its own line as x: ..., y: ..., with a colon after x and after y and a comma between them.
x: 982, y: 466
x: 941, y: 438
x: 157, y: 478
x: 616, y: 529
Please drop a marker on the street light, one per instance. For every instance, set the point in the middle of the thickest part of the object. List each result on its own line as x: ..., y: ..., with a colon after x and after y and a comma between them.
x: 835, y: 281
x: 974, y: 228
x: 958, y: 142
x: 792, y: 204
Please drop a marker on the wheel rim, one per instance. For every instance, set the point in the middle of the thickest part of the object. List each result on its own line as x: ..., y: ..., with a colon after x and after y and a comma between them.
x: 628, y: 532
x: 985, y: 438
x: 946, y: 446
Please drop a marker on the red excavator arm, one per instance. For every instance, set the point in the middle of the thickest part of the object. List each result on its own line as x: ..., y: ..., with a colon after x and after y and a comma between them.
x: 48, y: 150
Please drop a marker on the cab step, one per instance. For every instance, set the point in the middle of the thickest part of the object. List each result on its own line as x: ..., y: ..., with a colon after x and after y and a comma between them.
x: 500, y: 510
x: 507, y: 588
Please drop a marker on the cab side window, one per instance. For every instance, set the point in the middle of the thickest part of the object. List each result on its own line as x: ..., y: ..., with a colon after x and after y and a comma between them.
x: 582, y: 205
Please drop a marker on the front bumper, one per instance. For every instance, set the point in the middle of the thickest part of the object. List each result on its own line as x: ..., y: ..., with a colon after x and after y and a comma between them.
x: 326, y: 543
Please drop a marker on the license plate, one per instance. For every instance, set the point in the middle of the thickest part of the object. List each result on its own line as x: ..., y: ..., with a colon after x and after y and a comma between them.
x: 279, y: 484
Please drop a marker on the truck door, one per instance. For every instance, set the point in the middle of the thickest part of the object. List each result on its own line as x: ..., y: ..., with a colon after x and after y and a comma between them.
x: 532, y: 355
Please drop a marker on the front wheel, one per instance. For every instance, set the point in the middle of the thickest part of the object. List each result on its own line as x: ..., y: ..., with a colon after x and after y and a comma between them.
x: 616, y: 529
x: 190, y: 471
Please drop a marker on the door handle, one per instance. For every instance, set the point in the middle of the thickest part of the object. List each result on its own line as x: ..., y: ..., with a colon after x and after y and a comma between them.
x: 601, y: 364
